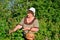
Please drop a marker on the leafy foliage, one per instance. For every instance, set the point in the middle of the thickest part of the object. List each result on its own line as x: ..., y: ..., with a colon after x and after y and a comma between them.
x: 47, y: 12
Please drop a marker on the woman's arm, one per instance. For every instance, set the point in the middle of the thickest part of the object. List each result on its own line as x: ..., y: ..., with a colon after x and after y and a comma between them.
x: 35, y: 26
x: 16, y: 28
x: 34, y: 29
x: 26, y: 28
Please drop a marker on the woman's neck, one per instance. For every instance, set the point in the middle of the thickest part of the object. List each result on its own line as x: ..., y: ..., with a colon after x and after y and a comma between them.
x: 31, y: 19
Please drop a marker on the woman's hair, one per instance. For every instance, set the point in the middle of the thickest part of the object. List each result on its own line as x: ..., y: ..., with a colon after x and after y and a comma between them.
x: 29, y: 11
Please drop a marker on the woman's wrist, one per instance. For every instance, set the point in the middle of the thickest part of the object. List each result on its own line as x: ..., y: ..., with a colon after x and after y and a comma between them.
x: 34, y: 29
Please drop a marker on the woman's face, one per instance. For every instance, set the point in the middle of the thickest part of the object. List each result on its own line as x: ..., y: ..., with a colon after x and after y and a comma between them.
x: 30, y: 14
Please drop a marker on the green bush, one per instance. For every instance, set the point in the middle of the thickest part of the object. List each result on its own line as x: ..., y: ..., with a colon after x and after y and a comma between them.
x: 47, y: 12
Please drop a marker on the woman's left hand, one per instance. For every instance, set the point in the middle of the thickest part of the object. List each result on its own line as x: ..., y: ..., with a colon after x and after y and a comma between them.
x: 34, y: 29
x: 26, y: 28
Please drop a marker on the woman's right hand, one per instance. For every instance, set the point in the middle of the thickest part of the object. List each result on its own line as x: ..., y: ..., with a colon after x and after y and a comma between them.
x: 16, y: 28
x: 10, y: 31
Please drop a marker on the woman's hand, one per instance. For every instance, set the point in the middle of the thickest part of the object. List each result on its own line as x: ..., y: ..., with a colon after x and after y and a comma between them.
x: 10, y: 31
x: 26, y: 28
x: 34, y: 29
x: 15, y: 29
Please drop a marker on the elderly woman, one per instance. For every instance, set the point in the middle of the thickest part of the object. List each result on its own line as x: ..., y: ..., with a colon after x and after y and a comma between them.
x: 29, y: 24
